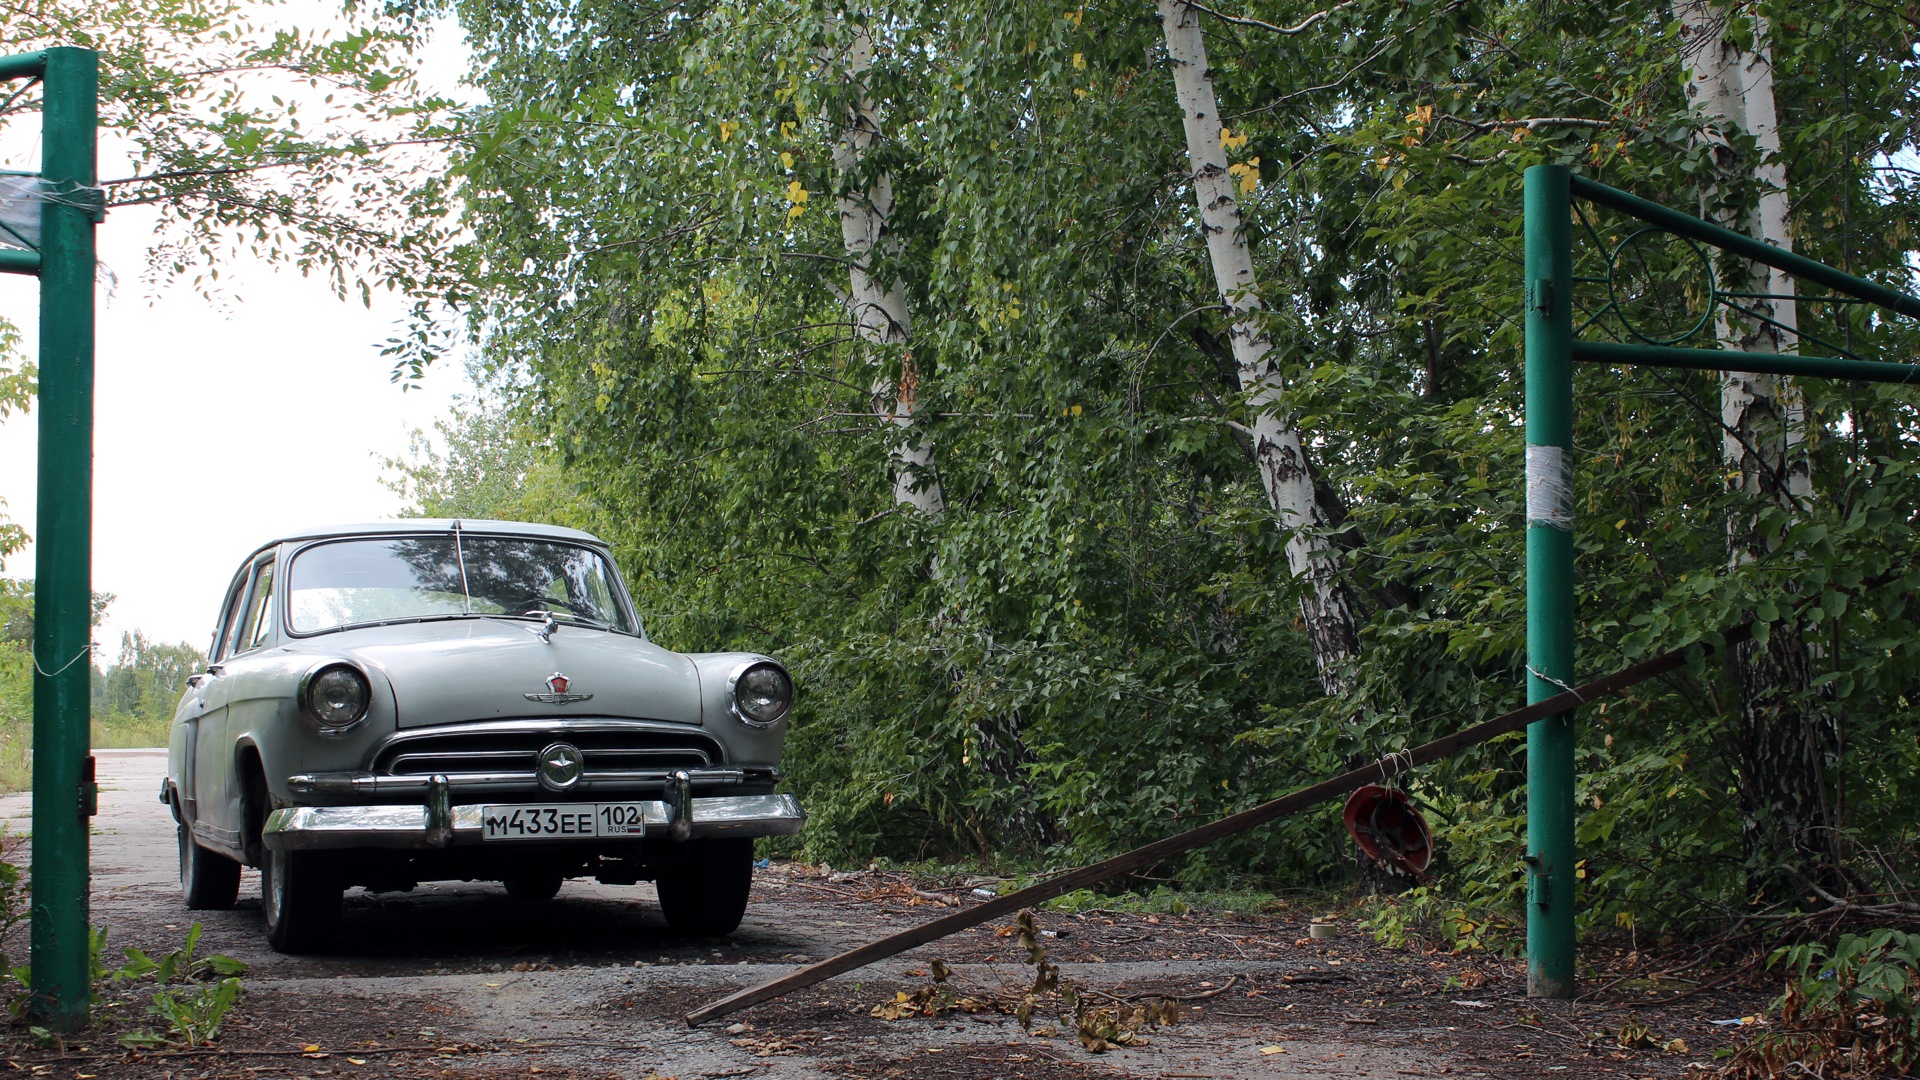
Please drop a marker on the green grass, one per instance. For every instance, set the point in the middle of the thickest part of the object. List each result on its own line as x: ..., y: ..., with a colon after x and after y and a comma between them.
x: 110, y: 733
x: 16, y: 760
x: 129, y: 733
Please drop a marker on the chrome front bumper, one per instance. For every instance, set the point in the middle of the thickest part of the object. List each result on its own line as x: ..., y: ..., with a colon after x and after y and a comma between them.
x: 310, y: 828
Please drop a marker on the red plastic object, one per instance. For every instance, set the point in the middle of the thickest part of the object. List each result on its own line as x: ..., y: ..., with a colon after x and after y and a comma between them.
x: 1387, y: 827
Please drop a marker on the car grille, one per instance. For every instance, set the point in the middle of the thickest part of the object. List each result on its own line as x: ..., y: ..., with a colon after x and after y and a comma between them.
x: 495, y: 754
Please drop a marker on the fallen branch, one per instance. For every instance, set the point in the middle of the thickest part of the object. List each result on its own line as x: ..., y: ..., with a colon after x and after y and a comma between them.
x: 1378, y: 772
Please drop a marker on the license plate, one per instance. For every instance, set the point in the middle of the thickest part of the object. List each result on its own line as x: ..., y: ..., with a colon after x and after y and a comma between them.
x: 561, y: 821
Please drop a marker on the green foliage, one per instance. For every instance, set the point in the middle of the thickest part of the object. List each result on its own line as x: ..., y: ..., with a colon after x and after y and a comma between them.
x: 17, y: 385
x: 1848, y: 1010
x: 181, y: 965
x: 1161, y: 901
x: 1469, y: 916
x: 195, y: 1015
x: 193, y: 1012
x: 297, y: 146
x: 1096, y: 643
x: 16, y: 715
x: 482, y: 462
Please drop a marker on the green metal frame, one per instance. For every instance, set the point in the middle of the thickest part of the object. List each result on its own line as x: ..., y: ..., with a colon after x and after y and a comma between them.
x: 64, y: 794
x: 1552, y: 347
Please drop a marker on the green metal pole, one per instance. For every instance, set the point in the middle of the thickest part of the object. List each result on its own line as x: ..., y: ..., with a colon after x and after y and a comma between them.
x: 16, y: 261
x: 1823, y: 367
x: 1550, y: 602
x: 63, y: 794
x: 23, y: 65
x: 1745, y: 246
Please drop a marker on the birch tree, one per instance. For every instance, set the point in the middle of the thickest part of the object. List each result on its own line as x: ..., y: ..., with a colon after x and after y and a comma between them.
x: 1787, y: 740
x: 1279, y: 454
x: 879, y: 306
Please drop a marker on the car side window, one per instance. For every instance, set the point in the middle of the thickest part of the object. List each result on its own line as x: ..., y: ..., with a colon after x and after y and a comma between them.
x: 229, y: 619
x: 256, y: 628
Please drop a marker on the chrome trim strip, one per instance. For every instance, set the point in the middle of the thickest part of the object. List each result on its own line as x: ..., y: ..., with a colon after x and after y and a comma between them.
x: 366, y: 783
x: 440, y: 759
x: 556, y: 727
x: 223, y: 837
x: 312, y: 828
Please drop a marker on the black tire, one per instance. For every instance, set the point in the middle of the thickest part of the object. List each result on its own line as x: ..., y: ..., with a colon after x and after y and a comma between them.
x: 300, y: 895
x: 533, y: 888
x: 209, y: 880
x: 704, y: 884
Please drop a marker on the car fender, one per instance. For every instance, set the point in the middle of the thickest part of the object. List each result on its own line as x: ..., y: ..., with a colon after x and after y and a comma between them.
x: 274, y: 727
x: 745, y: 743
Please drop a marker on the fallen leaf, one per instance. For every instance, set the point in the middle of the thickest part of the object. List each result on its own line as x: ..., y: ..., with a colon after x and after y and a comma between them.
x: 1677, y: 1046
x: 1273, y: 1049
x: 356, y: 1061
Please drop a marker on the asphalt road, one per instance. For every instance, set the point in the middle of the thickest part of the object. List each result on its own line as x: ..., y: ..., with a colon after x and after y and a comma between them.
x: 592, y: 984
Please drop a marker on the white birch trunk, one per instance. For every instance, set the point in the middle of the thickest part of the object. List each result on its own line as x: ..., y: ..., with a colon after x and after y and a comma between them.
x: 1787, y: 737
x: 1763, y: 420
x: 1284, y: 469
x: 880, y: 312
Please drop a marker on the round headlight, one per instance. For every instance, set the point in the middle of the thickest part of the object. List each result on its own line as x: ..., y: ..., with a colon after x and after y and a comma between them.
x: 336, y: 697
x: 762, y: 693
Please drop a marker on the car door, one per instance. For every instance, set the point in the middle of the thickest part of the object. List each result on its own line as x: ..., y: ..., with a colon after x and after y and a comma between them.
x: 217, y: 815
x: 200, y: 706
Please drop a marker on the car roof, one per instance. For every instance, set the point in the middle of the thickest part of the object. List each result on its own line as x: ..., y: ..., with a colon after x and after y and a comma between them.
x: 414, y: 526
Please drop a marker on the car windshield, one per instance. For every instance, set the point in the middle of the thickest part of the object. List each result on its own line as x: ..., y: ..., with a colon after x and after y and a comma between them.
x: 386, y: 579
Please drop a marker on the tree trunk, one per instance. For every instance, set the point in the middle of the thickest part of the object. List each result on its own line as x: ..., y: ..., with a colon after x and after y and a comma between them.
x: 1325, y: 608
x: 880, y: 310
x: 1786, y: 741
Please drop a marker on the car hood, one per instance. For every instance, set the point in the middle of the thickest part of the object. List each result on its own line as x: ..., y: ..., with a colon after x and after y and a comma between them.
x: 449, y: 671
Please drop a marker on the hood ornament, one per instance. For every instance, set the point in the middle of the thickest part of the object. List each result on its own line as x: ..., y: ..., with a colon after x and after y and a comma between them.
x: 558, y: 685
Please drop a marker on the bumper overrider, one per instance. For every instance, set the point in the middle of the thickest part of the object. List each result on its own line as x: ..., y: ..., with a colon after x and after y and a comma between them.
x: 438, y: 823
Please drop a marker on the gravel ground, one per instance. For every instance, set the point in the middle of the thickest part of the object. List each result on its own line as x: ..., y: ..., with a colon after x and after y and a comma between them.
x: 455, y: 980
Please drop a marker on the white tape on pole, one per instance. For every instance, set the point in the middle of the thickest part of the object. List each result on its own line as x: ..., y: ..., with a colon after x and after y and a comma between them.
x: 1549, y: 488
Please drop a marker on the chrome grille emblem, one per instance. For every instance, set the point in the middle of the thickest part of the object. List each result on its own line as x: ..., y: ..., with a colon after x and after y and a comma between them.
x: 559, y: 684
x: 560, y: 766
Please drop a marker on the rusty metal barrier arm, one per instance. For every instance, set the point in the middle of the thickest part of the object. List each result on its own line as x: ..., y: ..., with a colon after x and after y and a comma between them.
x: 1383, y: 769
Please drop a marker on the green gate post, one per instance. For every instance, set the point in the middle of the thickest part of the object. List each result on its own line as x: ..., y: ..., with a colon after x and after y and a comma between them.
x: 1550, y: 600
x: 64, y: 795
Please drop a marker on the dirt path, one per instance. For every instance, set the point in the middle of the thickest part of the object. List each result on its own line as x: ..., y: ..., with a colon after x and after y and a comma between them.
x: 455, y: 980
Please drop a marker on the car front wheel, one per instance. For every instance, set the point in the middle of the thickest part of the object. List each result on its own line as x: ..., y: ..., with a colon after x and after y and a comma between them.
x: 704, y: 885
x: 210, y: 880
x: 300, y: 895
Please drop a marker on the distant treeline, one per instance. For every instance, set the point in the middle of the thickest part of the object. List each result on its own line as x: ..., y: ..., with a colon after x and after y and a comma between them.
x: 133, y: 700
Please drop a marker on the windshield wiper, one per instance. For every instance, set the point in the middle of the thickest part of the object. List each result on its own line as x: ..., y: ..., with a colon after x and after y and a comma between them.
x: 440, y: 616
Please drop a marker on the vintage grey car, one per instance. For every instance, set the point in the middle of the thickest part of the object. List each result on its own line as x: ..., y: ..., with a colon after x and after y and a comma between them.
x: 444, y: 700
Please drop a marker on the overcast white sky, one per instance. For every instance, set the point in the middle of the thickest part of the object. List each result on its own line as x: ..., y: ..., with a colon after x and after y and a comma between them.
x: 215, y: 431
